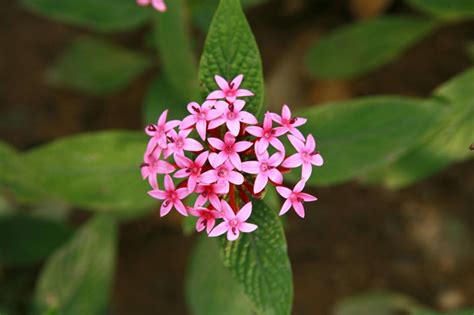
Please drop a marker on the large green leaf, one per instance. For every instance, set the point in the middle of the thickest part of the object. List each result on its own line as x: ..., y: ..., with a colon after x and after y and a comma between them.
x: 202, y: 10
x: 447, y: 142
x: 359, y: 135
x: 210, y: 288
x: 98, y: 171
x: 446, y: 9
x: 359, y: 48
x: 77, y: 279
x: 16, y: 176
x: 100, y: 15
x: 160, y: 97
x: 176, y: 51
x: 259, y: 261
x: 26, y: 240
x: 230, y: 50
x: 94, y: 66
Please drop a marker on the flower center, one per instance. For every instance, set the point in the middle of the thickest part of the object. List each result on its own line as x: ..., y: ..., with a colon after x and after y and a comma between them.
x: 264, y: 167
x: 306, y: 156
x: 231, y: 115
x: 222, y: 172
x: 179, y: 143
x: 230, y: 93
x: 195, y: 169
x: 234, y: 223
x: 201, y: 116
x: 229, y: 148
x: 267, y: 134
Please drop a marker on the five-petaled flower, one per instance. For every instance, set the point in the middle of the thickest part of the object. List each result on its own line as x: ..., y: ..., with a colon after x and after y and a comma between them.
x: 231, y: 161
x: 229, y: 91
x: 234, y: 223
x: 294, y: 198
x: 172, y: 197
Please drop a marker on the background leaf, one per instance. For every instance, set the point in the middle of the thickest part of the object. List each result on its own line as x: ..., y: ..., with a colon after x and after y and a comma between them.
x: 17, y: 177
x: 95, y: 66
x: 259, y: 261
x: 448, y: 140
x: 361, y: 47
x: 98, y: 171
x: 348, y: 134
x: 450, y: 10
x: 230, y: 50
x: 176, y: 51
x: 162, y: 96
x: 103, y: 15
x: 210, y: 288
x: 77, y: 279
x: 26, y: 240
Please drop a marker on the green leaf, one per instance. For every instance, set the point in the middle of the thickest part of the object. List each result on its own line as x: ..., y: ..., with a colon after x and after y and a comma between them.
x: 17, y: 177
x: 162, y: 96
x: 446, y: 9
x: 94, y: 66
x: 27, y: 240
x: 98, y: 171
x: 210, y: 288
x: 470, y: 50
x: 77, y: 279
x: 176, y: 52
x: 259, y: 261
x: 103, y: 15
x: 448, y: 140
x: 362, y: 47
x: 360, y: 135
x: 230, y: 50
x: 377, y: 303
x: 457, y: 90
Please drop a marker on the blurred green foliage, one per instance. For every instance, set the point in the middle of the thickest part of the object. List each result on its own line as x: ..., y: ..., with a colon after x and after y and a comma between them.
x: 94, y: 66
x: 361, y: 47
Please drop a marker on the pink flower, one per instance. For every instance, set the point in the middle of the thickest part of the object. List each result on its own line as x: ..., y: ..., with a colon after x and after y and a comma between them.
x: 229, y: 91
x: 207, y: 218
x: 289, y: 124
x: 159, y: 131
x: 200, y: 115
x: 191, y: 169
x: 210, y: 192
x: 159, y: 5
x: 222, y: 174
x: 232, y: 116
x: 234, y: 224
x: 267, y: 135
x: 152, y: 166
x: 305, y: 155
x: 179, y: 142
x: 265, y: 167
x: 294, y: 198
x: 172, y: 197
x: 229, y: 149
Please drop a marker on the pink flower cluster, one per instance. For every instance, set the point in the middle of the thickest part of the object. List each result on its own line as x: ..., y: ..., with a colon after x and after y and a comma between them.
x: 158, y: 5
x: 235, y: 159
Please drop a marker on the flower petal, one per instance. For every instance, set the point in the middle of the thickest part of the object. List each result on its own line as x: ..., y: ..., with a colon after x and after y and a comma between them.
x: 310, y: 143
x: 307, y: 197
x: 242, y: 145
x: 221, y: 82
x: 158, y: 194
x: 235, y: 178
x: 165, y: 208
x: 292, y: 161
x: 285, y: 207
x: 219, y: 229
x: 297, y: 143
x: 233, y: 126
x: 255, y: 131
x: 215, y: 95
x: 317, y: 160
x: 299, y: 209
x: 283, y: 191
x: 169, y: 185
x: 216, y: 143
x: 275, y: 176
x: 192, y: 145
x: 236, y: 161
x: 178, y: 204
x: 247, y: 227
x: 260, y: 182
x: 237, y: 81
x: 245, y: 212
x: 247, y: 118
x: 201, y: 128
x: 251, y: 167
x: 306, y: 170
x: 227, y: 210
